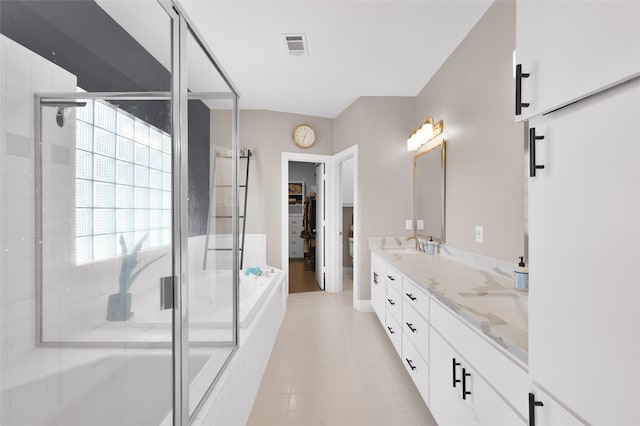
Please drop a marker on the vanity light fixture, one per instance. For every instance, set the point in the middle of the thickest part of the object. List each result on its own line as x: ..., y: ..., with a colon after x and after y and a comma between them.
x: 424, y: 133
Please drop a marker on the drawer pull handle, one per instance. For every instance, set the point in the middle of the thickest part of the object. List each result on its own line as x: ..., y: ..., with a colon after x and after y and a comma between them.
x: 375, y: 278
x: 412, y: 297
x: 519, y: 76
x: 454, y: 364
x: 391, y: 302
x: 532, y: 152
x: 465, y: 392
x: 391, y: 330
x: 532, y: 408
x: 411, y: 327
x: 391, y: 277
x: 413, y: 367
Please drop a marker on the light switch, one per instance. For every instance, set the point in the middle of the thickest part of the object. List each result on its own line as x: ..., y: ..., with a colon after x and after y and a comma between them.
x: 479, y: 234
x: 408, y: 225
x: 420, y: 225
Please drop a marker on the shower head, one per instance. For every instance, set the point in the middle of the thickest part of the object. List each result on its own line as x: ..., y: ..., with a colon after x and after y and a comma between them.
x: 62, y: 105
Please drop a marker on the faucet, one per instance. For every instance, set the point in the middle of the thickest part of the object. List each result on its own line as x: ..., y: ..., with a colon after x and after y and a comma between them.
x: 418, y: 246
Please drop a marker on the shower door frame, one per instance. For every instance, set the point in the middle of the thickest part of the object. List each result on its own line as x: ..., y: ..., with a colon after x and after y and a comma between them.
x: 181, y: 26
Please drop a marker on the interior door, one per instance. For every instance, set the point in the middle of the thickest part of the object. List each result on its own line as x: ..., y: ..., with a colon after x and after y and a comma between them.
x: 321, y: 223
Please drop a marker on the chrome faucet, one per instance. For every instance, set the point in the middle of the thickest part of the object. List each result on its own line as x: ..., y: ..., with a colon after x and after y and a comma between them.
x: 418, y: 246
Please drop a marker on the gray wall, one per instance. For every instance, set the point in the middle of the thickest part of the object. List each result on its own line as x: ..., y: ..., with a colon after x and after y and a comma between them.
x: 473, y: 93
x: 380, y: 126
x: 268, y: 134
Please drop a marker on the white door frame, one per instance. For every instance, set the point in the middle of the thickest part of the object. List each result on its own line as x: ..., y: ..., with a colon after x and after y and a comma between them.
x: 330, y: 203
x: 339, y: 158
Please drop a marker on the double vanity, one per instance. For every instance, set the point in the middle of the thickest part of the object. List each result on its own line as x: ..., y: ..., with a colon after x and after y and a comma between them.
x: 461, y: 331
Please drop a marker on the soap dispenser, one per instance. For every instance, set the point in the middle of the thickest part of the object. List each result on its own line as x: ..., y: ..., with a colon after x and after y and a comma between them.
x: 521, y: 276
x: 431, y: 246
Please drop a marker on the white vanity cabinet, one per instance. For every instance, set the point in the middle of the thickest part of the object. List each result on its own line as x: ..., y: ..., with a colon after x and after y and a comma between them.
x: 415, y: 335
x: 584, y: 233
x: 547, y: 411
x: 571, y: 49
x: 393, y: 306
x: 446, y: 357
x: 378, y: 284
x: 460, y: 395
x: 488, y: 386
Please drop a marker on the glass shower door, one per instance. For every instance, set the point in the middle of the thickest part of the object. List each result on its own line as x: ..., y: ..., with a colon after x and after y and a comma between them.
x: 104, y: 233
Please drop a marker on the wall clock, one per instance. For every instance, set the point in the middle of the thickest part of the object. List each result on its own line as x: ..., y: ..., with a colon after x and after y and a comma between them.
x: 304, y: 136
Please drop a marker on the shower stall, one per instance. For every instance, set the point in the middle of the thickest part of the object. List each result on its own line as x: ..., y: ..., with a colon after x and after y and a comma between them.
x: 109, y: 114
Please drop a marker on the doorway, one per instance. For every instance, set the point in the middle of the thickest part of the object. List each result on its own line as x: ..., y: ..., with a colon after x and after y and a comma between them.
x: 321, y: 167
x: 329, y: 246
x: 305, y: 217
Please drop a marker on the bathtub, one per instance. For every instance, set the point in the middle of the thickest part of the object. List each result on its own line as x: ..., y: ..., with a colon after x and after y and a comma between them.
x: 84, y: 386
x: 209, y: 310
x: 109, y: 391
x: 211, y: 296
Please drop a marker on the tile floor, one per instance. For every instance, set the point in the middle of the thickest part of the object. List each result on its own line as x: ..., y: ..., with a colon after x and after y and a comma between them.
x: 332, y: 365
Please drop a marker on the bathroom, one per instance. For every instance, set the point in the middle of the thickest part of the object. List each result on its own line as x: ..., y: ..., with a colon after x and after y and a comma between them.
x: 62, y: 259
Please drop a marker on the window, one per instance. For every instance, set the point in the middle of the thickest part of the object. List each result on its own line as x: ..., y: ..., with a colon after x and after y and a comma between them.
x: 123, y: 182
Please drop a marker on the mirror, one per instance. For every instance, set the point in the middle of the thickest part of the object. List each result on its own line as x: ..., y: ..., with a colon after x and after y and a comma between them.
x: 428, y: 191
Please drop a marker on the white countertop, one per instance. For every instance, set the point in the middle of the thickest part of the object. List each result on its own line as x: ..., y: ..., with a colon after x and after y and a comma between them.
x: 485, y: 300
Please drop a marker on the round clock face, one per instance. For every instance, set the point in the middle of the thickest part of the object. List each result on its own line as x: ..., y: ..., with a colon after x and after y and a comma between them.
x: 304, y: 136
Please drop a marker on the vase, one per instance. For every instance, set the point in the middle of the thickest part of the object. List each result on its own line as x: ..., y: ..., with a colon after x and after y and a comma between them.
x: 119, y: 307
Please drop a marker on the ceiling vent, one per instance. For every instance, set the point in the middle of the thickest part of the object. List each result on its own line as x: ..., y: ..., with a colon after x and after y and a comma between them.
x: 296, y: 44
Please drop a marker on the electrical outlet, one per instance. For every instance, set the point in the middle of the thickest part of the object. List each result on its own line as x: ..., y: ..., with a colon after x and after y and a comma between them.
x: 479, y: 234
x: 420, y: 225
x: 408, y: 225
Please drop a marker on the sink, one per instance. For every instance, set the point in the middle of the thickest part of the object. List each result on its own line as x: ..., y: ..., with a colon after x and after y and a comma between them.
x: 402, y: 251
x: 511, y: 308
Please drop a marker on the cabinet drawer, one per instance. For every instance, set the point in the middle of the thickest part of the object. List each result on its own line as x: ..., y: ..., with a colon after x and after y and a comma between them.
x: 416, y: 366
x: 394, y: 332
x: 415, y: 297
x: 295, y: 221
x: 508, y: 378
x: 394, y: 303
x: 393, y: 277
x: 416, y: 328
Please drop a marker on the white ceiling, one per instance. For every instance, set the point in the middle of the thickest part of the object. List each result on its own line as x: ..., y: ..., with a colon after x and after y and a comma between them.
x: 356, y: 48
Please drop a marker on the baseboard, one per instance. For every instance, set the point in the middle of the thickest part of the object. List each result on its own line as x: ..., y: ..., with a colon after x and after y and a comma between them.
x: 363, y: 305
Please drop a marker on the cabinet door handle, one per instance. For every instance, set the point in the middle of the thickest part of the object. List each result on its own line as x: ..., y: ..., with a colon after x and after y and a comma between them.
x: 412, y: 297
x: 391, y: 277
x: 391, y: 330
x: 411, y: 327
x: 532, y: 152
x: 413, y: 367
x: 375, y: 278
x: 465, y: 392
x: 391, y: 302
x: 454, y: 364
x: 519, y: 76
x: 532, y: 408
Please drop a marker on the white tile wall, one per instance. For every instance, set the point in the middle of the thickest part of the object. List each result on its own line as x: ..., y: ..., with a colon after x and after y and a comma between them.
x: 22, y: 72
